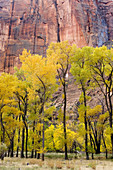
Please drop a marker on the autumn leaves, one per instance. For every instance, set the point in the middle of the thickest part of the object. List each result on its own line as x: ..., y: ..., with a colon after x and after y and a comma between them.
x: 26, y: 101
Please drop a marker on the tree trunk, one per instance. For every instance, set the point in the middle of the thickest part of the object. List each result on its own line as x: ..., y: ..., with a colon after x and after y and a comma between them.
x: 42, y: 156
x: 17, y: 151
x: 9, y: 152
x: 40, y: 112
x: 3, y: 136
x: 91, y: 145
x: 43, y: 135
x: 105, y: 145
x: 32, y: 152
x: 64, y: 120
x: 85, y: 121
x: 26, y: 139
x: 35, y: 153
x: 110, y: 120
x: 12, y: 147
x: 23, y: 136
x: 18, y: 139
x: 38, y: 157
x: 2, y: 130
x: 98, y: 148
x: 110, y: 112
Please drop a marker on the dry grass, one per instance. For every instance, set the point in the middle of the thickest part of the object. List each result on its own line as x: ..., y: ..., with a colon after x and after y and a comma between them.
x: 59, y: 164
x: 92, y: 165
x: 32, y: 161
x: 40, y: 163
x: 69, y: 165
x: 49, y: 163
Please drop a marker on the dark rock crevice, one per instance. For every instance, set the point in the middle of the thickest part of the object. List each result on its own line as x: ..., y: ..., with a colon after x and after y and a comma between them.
x: 12, y: 5
x: 9, y: 34
x: 37, y: 21
x: 57, y: 20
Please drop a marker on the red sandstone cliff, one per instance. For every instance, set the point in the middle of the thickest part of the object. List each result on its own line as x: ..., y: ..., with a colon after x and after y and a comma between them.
x: 33, y: 24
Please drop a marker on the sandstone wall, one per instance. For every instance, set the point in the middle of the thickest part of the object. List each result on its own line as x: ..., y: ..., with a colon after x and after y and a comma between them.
x: 33, y: 24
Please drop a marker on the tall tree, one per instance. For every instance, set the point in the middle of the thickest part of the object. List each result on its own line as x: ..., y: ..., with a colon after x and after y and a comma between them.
x: 41, y: 73
x: 60, y: 53
x: 82, y: 75
x: 8, y: 107
x: 101, y: 64
x: 96, y: 121
x: 21, y: 94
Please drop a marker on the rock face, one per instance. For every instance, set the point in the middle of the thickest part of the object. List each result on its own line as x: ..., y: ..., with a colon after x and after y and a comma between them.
x: 33, y: 24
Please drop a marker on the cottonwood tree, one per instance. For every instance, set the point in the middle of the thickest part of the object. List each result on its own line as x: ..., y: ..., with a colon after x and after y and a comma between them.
x: 101, y: 64
x: 8, y: 111
x: 60, y: 53
x: 21, y: 94
x: 41, y: 73
x: 81, y: 73
x: 97, y: 123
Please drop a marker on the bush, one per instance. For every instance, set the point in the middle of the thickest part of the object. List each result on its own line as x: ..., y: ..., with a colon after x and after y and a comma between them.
x: 3, y: 149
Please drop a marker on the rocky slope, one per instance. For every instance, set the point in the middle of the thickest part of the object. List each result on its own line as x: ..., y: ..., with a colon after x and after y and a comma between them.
x: 33, y: 24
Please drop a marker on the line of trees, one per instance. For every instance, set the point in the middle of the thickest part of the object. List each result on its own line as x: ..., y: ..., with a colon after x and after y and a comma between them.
x: 27, y: 124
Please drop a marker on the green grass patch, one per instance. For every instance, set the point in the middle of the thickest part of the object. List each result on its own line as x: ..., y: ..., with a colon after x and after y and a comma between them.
x: 60, y: 155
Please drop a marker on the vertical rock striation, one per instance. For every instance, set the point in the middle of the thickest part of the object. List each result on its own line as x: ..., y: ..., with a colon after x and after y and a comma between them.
x: 33, y: 24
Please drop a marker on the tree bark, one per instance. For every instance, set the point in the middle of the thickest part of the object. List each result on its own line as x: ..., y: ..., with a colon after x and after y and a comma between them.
x: 85, y: 121
x: 40, y: 112
x: 104, y: 145
x: 23, y: 136
x: 32, y: 152
x: 2, y: 129
x: 91, y: 145
x: 35, y: 153
x: 64, y: 120
x: 9, y: 151
x: 18, y: 138
x: 43, y: 131
x: 12, y: 147
x: 26, y: 140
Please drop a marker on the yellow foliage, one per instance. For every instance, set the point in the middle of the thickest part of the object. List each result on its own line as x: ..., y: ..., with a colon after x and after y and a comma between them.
x: 94, y: 111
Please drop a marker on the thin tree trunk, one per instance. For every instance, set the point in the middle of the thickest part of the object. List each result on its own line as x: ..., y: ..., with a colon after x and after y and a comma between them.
x: 24, y: 119
x: 91, y: 145
x: 12, y: 147
x: 98, y: 148
x: 17, y: 151
x: 9, y: 152
x: 32, y: 152
x: 23, y: 136
x: 3, y: 136
x: 85, y: 121
x: 104, y: 145
x: 64, y: 121
x: 110, y: 120
x: 43, y: 133
x: 110, y: 113
x: 2, y: 129
x: 38, y: 155
x: 26, y: 139
x: 41, y: 110
x: 35, y: 153
x: 18, y: 139
x: 18, y: 143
